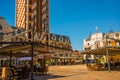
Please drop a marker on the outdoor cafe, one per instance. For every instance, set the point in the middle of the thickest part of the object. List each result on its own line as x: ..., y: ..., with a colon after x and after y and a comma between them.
x: 12, y: 70
x: 105, y: 58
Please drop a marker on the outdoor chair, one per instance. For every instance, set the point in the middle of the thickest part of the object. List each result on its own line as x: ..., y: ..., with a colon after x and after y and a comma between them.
x: 92, y: 67
x: 101, y: 67
x: 39, y: 71
x: 14, y: 73
x: 25, y: 72
x: 35, y: 69
x: 117, y: 65
x: 46, y: 71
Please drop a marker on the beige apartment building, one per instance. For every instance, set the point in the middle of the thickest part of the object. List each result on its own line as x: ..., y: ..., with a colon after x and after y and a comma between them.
x: 34, y: 14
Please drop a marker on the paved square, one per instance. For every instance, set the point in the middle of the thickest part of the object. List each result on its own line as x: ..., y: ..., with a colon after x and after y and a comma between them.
x: 77, y: 72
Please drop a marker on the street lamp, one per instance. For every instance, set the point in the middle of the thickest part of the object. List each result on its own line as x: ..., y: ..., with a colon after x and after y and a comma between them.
x: 32, y: 54
x: 32, y: 49
x: 107, y: 53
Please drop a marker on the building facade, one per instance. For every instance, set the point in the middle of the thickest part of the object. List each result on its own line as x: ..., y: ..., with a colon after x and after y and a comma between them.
x: 94, y: 41
x: 98, y: 40
x: 77, y: 57
x: 34, y: 14
x: 112, y: 39
x: 5, y: 30
x: 101, y: 40
x: 60, y: 41
x: 63, y: 53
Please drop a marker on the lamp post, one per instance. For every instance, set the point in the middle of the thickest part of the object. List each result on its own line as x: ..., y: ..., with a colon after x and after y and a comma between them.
x: 107, y: 53
x: 10, y: 62
x: 32, y: 48
x: 32, y: 54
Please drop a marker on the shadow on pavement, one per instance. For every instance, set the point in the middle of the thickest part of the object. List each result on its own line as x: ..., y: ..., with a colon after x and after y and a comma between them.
x: 48, y: 76
x: 78, y: 74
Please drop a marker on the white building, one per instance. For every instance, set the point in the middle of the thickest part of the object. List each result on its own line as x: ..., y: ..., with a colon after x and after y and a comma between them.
x: 94, y: 41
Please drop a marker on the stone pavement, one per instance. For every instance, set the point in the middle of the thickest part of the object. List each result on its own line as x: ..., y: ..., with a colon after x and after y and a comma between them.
x: 77, y: 72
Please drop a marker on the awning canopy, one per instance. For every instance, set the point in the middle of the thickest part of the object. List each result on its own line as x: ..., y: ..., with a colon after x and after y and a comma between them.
x: 102, y: 51
x: 21, y: 50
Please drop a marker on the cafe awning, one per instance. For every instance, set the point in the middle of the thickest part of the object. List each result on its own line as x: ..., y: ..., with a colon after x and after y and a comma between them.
x: 20, y: 50
x: 102, y: 51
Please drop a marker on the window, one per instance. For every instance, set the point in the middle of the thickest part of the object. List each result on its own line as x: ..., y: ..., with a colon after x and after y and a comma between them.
x: 46, y: 7
x: 53, y: 44
x: 47, y: 1
x: 117, y: 44
x: 46, y: 29
x: 30, y: 2
x: 0, y: 27
x: 117, y: 34
x: 19, y: 31
x: 30, y: 10
x: 30, y: 18
x: 67, y: 39
x: 88, y: 44
x: 47, y: 22
x: 53, y: 37
x: 1, y: 35
x: 97, y: 44
x: 109, y: 43
x: 29, y: 35
x: 61, y: 45
x: 60, y: 38
x: 67, y: 46
x: 29, y: 26
x: 47, y: 15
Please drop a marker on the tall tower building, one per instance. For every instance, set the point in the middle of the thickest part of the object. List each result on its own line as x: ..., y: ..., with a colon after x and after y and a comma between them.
x: 34, y: 14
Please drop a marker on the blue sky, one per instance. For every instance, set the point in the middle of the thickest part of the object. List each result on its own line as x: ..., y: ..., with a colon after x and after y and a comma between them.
x: 75, y: 18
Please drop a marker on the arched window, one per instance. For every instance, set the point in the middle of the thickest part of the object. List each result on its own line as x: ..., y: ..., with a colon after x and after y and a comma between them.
x: 53, y: 37
x: 60, y: 38
x: 67, y: 39
x: 0, y: 27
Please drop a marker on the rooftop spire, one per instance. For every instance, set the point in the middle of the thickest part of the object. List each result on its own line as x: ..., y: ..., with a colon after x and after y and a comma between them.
x: 96, y: 29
